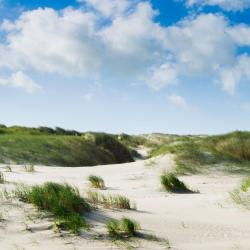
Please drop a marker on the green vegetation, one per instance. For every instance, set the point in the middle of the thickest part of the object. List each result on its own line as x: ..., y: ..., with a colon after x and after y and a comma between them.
x: 245, y: 184
x: 132, y: 142
x: 1, y: 178
x: 120, y: 153
x: 29, y: 168
x: 8, y: 168
x: 47, y: 146
x: 96, y: 182
x: 62, y: 200
x: 171, y: 183
x: 241, y: 195
x: 109, y: 201
x: 124, y: 227
x: 195, y: 154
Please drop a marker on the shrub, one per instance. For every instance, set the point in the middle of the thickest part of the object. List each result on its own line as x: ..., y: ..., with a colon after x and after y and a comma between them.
x: 123, y: 227
x: 171, y: 183
x: 29, y: 168
x: 62, y: 200
x: 1, y: 178
x: 109, y: 201
x: 96, y: 181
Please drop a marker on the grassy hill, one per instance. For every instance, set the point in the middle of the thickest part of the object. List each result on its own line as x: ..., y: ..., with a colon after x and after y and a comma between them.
x: 47, y: 146
x: 196, y: 153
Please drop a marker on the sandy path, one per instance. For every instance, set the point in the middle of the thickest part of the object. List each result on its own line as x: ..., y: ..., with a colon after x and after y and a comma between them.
x: 204, y: 221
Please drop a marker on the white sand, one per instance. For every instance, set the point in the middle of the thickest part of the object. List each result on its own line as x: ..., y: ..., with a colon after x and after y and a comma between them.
x: 205, y: 221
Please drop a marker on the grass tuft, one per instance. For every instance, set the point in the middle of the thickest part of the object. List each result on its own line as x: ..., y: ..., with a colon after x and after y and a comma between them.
x: 62, y: 200
x: 241, y: 195
x: 8, y: 168
x: 29, y: 168
x: 245, y: 184
x: 1, y: 178
x: 72, y: 222
x: 109, y: 201
x: 124, y: 227
x: 96, y: 182
x: 171, y: 183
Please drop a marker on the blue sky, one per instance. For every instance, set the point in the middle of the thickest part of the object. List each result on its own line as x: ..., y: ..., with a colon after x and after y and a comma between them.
x: 176, y: 66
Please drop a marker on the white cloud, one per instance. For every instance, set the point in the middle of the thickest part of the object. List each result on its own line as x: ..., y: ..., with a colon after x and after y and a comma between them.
x: 161, y: 76
x: 240, y: 34
x: 228, y: 5
x: 230, y: 77
x: 177, y: 100
x: 131, y: 46
x: 53, y: 42
x: 108, y: 8
x: 201, y: 44
x: 20, y: 80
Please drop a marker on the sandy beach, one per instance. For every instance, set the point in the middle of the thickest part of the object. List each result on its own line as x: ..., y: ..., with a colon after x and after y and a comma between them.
x: 199, y: 221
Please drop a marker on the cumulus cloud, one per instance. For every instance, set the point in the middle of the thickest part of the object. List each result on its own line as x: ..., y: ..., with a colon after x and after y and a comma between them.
x: 200, y: 44
x: 22, y: 81
x: 230, y: 77
x: 53, y: 42
x: 177, y: 100
x: 130, y: 46
x: 108, y: 8
x: 227, y: 5
x: 159, y: 77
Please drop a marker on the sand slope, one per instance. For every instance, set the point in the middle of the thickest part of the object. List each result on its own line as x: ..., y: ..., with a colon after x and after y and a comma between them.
x: 204, y: 221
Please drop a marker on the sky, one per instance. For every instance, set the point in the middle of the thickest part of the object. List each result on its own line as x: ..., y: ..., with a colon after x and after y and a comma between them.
x: 132, y: 66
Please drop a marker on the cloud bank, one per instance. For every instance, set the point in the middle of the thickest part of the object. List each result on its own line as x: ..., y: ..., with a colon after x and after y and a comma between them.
x: 227, y: 5
x: 122, y: 39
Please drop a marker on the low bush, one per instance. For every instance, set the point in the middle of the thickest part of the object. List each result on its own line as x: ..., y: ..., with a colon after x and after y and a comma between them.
x: 96, y: 181
x: 171, y: 183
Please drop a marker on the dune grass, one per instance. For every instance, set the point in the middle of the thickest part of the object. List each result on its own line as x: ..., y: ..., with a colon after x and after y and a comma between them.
x: 109, y: 201
x: 241, y: 198
x: 123, y: 227
x: 241, y: 195
x: 29, y: 168
x: 47, y: 146
x: 62, y: 200
x: 196, y: 154
x: 96, y: 182
x: 1, y: 178
x: 171, y: 183
x: 8, y: 168
x: 245, y: 185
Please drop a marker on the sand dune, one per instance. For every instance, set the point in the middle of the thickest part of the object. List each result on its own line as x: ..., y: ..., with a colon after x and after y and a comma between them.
x: 200, y: 221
